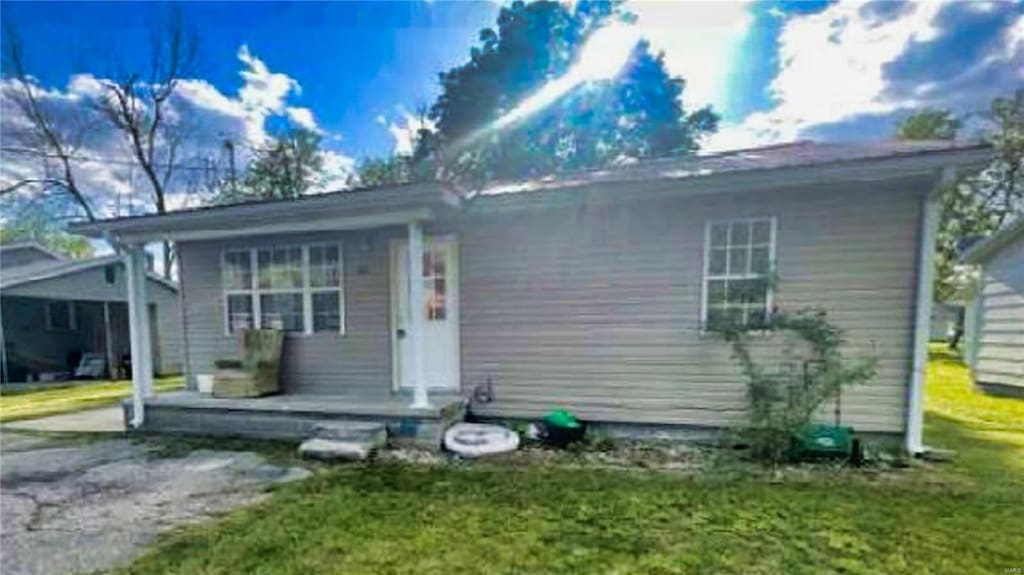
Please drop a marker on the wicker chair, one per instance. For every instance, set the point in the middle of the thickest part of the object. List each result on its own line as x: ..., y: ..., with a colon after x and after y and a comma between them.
x: 257, y: 373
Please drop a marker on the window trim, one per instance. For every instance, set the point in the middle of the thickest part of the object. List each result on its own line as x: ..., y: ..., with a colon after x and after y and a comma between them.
x: 706, y: 264
x: 306, y: 290
x: 72, y: 315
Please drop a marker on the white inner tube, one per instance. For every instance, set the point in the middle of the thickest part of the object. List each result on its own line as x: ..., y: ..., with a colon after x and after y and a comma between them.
x: 478, y: 439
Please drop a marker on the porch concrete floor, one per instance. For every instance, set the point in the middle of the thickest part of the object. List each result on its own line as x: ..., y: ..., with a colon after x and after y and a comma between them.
x: 384, y: 405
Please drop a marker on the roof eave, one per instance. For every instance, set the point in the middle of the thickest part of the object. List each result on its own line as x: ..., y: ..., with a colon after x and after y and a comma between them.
x: 985, y: 249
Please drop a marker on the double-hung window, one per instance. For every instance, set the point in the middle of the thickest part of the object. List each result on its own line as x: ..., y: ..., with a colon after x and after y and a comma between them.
x: 739, y: 257
x: 293, y: 288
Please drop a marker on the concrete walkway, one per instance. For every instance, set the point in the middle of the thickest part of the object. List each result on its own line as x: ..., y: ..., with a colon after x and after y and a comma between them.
x: 104, y: 419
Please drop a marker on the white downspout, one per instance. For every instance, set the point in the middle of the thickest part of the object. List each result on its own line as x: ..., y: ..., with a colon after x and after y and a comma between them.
x: 421, y: 399
x: 922, y: 321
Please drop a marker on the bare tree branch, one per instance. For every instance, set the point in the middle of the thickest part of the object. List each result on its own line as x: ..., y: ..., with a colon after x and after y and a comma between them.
x: 138, y: 109
x: 43, y: 133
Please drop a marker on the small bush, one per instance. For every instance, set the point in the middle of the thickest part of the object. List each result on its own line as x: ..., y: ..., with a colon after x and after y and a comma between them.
x: 784, y: 399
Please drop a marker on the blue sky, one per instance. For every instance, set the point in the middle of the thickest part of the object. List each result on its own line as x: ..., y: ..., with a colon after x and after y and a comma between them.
x: 354, y: 71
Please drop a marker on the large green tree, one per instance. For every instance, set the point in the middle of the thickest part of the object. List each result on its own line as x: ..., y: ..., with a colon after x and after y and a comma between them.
x: 977, y: 205
x: 929, y: 124
x: 396, y: 169
x: 287, y: 167
x: 36, y: 224
x: 638, y: 113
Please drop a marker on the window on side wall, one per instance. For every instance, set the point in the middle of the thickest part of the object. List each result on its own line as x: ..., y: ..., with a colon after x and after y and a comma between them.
x: 739, y: 256
x: 60, y: 315
x: 293, y: 288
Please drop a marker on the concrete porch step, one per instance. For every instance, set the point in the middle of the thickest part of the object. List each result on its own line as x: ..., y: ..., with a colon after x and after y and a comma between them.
x: 344, y: 440
x: 369, y: 431
x: 329, y: 449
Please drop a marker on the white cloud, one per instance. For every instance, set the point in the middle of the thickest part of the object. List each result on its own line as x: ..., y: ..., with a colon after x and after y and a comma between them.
x: 833, y: 68
x: 700, y: 40
x: 263, y: 89
x: 303, y: 118
x: 209, y: 117
x: 405, y: 129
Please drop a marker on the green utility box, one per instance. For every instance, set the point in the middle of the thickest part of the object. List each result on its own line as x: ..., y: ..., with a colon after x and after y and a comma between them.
x: 820, y: 441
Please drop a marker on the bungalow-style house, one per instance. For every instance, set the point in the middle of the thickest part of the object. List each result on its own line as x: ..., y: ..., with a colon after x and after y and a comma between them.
x: 593, y: 291
x: 994, y: 319
x: 55, y: 311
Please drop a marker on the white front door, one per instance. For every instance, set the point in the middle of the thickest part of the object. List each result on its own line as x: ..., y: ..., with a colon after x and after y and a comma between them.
x: 440, y: 314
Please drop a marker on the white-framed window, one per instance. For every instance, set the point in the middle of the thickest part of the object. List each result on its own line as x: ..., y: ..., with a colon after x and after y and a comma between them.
x: 295, y: 288
x: 60, y: 315
x: 739, y: 259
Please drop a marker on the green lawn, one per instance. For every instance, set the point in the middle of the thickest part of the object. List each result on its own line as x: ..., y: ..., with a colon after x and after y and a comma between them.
x: 960, y: 518
x: 16, y: 405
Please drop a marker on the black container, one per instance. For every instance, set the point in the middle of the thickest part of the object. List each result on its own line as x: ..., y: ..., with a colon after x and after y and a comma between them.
x: 559, y: 436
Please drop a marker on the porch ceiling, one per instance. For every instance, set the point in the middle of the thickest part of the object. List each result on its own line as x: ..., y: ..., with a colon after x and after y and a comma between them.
x: 344, y: 210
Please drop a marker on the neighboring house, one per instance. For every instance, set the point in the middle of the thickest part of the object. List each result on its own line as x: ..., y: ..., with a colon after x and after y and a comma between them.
x: 945, y: 317
x: 56, y: 309
x: 994, y: 323
x: 591, y: 291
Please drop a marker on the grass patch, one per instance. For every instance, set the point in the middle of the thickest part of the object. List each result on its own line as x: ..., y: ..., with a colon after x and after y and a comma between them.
x: 966, y: 517
x: 28, y: 404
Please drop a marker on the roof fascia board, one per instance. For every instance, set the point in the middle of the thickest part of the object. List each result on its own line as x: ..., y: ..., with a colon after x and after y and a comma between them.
x: 84, y: 267
x: 33, y: 245
x: 744, y: 181
x: 333, y: 204
x: 988, y: 247
x: 342, y: 223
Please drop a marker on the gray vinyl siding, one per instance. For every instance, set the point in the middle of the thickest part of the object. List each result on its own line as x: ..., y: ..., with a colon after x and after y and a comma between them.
x: 91, y: 285
x: 998, y: 350
x: 321, y: 363
x: 596, y: 308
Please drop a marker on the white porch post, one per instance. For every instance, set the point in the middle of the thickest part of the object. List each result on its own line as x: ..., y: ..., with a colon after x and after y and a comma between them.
x: 421, y: 400
x: 138, y: 321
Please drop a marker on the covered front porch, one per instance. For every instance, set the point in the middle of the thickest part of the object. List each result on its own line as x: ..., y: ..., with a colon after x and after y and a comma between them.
x: 351, y: 280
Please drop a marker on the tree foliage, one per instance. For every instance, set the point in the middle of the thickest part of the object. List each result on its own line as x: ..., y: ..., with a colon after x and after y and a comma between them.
x: 287, y: 167
x: 396, y: 169
x: 929, y: 124
x: 38, y: 226
x: 979, y: 204
x: 637, y: 114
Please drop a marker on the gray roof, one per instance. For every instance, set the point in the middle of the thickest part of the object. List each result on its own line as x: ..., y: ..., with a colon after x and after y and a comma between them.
x: 992, y: 245
x: 782, y: 159
x: 12, y: 276
x: 801, y: 154
x: 31, y: 245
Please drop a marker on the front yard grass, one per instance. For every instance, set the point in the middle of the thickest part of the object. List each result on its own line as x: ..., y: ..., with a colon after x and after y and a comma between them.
x: 960, y: 518
x: 28, y: 404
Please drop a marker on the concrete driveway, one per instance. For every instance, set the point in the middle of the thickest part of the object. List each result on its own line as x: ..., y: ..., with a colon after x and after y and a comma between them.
x: 72, y: 505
